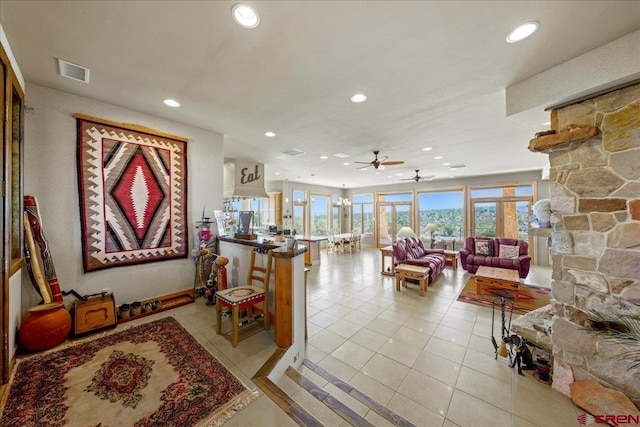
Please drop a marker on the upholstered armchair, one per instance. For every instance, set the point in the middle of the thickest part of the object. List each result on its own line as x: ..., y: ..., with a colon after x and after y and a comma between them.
x: 499, y: 252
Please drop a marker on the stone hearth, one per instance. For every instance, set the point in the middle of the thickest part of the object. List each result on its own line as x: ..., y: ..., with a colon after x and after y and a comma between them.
x: 595, y: 199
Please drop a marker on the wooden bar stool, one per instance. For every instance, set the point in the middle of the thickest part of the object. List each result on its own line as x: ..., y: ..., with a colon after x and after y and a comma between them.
x: 246, y: 297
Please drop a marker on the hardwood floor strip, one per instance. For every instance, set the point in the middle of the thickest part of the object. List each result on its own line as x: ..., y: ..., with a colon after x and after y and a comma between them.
x: 381, y: 410
x: 270, y: 363
x: 288, y: 405
x: 330, y: 401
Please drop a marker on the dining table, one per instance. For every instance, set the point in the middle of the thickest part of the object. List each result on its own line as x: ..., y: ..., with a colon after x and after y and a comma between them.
x: 342, y: 240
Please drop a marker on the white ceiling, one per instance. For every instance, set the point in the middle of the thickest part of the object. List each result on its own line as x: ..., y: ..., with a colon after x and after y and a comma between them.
x: 435, y: 73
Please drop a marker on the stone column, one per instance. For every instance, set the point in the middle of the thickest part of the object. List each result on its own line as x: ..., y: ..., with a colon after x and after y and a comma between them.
x: 595, y: 199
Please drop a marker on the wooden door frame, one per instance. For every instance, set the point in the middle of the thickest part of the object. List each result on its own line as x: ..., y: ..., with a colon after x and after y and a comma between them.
x: 393, y: 204
x: 12, y: 198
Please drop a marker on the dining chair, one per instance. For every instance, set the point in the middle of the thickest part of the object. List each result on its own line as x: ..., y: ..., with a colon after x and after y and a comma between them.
x: 246, y: 297
x: 356, y: 239
x: 337, y: 243
x: 331, y: 243
x: 350, y: 242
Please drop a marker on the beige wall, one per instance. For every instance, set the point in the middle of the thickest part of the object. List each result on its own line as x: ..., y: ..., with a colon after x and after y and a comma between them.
x: 50, y: 172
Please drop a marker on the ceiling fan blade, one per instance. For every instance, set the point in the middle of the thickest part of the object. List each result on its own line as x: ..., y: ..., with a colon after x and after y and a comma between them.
x: 382, y: 159
x: 364, y: 167
x: 393, y: 162
x: 365, y: 163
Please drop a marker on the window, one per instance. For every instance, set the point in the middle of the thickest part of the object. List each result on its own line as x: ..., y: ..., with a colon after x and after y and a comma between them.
x: 336, y: 209
x: 298, y: 218
x: 446, y: 210
x: 501, y: 211
x: 319, y: 214
x: 362, y: 213
x: 394, y: 211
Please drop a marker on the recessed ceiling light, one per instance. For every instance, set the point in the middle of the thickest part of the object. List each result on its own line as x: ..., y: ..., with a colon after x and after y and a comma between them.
x: 270, y: 134
x: 324, y: 157
x: 171, y: 103
x: 523, y: 31
x: 427, y: 149
x: 546, y: 124
x: 341, y: 155
x: 277, y: 173
x: 346, y: 163
x: 358, y: 98
x: 446, y: 164
x: 245, y: 16
x: 437, y: 157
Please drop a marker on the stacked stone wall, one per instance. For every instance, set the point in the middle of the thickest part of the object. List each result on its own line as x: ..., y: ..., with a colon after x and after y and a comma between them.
x: 595, y: 200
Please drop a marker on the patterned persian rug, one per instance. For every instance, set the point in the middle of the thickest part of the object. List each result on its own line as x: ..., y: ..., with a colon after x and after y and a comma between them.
x: 155, y: 374
x: 529, y: 297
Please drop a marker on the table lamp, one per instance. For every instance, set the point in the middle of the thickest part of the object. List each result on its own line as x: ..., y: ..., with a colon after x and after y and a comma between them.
x: 405, y: 232
x: 431, y: 227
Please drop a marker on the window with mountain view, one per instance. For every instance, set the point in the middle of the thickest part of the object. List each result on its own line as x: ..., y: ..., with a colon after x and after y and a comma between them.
x: 362, y: 208
x: 501, y: 211
x: 319, y: 214
x: 445, y: 209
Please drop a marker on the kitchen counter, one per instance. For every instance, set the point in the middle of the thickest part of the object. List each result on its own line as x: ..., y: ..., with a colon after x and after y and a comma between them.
x: 312, y: 256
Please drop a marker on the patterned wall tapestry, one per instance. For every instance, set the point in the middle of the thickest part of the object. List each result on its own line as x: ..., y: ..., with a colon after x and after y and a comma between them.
x: 133, y: 194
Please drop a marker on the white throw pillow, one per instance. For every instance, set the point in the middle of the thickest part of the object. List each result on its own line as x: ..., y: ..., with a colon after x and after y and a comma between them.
x: 508, y: 251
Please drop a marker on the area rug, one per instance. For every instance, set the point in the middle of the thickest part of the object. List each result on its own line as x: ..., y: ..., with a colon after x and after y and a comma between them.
x: 155, y: 374
x: 529, y: 297
x: 133, y: 194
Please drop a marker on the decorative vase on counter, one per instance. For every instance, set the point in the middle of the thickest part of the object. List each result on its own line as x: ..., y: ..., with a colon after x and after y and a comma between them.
x: 44, y: 326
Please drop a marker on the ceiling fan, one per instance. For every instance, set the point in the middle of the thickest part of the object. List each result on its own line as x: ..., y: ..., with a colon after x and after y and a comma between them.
x: 380, y: 163
x: 418, y: 177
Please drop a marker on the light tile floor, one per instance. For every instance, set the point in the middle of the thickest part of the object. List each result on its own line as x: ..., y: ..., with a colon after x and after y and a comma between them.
x: 429, y: 359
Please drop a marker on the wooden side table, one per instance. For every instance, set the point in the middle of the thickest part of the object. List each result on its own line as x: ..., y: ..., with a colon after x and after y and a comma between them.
x: 413, y: 272
x: 452, y: 258
x: 387, y: 252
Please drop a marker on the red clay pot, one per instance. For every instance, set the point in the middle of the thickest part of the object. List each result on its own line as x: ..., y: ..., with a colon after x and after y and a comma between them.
x: 44, y: 326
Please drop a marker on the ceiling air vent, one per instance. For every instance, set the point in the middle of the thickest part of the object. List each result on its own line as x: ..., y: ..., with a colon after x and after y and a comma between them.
x: 293, y: 152
x: 73, y: 71
x: 454, y: 167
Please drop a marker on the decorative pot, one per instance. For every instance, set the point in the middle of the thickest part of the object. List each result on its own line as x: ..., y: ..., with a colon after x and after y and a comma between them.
x: 44, y: 326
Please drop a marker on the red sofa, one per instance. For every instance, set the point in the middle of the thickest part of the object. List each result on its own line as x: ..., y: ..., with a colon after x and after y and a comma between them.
x: 411, y: 250
x: 487, y: 251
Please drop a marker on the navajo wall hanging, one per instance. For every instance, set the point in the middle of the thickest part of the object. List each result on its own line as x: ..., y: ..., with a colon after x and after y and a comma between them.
x: 133, y: 194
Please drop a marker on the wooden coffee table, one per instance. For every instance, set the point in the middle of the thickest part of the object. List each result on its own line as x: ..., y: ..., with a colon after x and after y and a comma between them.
x: 495, y: 277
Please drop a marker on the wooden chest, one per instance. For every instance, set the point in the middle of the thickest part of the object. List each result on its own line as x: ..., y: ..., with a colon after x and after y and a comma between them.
x: 94, y: 313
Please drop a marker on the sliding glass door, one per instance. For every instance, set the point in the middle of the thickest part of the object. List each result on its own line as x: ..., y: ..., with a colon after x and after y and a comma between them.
x: 391, y: 218
x: 501, y: 211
